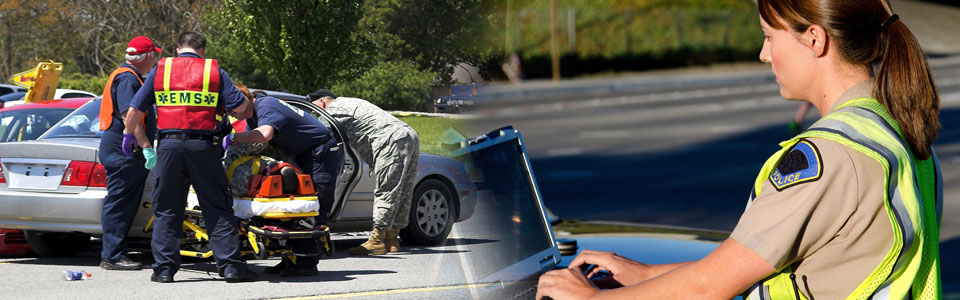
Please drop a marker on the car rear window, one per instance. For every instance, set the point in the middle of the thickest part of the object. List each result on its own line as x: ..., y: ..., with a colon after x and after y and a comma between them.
x: 83, y: 122
x: 28, y: 124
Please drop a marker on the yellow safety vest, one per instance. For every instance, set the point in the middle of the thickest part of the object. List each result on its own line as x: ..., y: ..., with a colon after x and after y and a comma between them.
x: 913, y: 200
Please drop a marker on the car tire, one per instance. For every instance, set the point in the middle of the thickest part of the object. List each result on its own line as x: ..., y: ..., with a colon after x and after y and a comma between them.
x: 432, y: 214
x: 56, y: 244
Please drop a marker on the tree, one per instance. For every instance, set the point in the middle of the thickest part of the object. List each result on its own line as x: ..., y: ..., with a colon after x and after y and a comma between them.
x: 303, y: 44
x: 88, y: 36
x: 436, y: 35
x: 27, y: 29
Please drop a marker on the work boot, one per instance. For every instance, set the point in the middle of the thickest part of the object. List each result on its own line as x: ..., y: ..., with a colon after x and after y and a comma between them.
x: 373, y: 246
x: 122, y: 264
x: 392, y: 240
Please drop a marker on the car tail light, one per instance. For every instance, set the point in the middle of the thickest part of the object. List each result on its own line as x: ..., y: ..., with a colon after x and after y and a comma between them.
x: 99, y: 176
x: 77, y: 173
x: 2, y: 180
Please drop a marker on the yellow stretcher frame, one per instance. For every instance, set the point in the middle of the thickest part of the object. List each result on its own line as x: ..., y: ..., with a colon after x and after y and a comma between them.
x: 257, y: 237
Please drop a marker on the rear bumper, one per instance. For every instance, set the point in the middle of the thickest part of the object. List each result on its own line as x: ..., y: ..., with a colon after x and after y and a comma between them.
x: 52, y: 211
x: 467, y: 193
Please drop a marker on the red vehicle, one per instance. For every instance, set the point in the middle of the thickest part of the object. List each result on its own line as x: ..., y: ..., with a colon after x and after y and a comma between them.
x: 25, y: 122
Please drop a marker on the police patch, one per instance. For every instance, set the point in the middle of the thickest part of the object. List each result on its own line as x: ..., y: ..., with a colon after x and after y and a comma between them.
x: 801, y: 164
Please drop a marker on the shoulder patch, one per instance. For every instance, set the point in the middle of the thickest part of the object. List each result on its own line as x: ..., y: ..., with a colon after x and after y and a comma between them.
x: 801, y: 164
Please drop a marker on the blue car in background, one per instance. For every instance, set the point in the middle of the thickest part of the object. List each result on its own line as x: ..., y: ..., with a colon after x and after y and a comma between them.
x: 461, y: 97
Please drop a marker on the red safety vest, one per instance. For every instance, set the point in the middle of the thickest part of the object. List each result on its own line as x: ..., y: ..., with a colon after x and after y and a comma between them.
x: 107, y: 103
x: 187, y: 91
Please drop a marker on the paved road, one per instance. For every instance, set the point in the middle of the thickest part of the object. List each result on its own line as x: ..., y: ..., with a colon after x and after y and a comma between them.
x: 679, y: 149
x: 451, y: 271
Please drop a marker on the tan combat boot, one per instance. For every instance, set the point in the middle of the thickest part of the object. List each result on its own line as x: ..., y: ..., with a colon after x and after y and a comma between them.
x: 373, y: 246
x: 392, y: 240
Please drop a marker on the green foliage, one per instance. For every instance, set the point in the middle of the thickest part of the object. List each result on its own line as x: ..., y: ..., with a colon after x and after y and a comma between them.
x: 301, y: 44
x: 435, y: 35
x: 83, y: 82
x: 643, y: 34
x: 390, y: 85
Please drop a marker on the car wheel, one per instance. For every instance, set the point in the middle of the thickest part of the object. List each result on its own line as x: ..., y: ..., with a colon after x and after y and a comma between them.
x: 432, y: 214
x: 56, y: 243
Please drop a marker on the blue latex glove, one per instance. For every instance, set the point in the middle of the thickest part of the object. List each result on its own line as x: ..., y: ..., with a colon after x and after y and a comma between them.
x: 227, y: 141
x: 151, y: 156
x: 128, y: 141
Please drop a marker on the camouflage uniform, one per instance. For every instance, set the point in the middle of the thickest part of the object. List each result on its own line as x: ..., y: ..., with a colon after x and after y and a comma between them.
x: 240, y: 178
x: 390, y: 147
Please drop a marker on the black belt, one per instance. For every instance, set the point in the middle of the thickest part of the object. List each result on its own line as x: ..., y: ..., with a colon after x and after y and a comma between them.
x: 187, y: 136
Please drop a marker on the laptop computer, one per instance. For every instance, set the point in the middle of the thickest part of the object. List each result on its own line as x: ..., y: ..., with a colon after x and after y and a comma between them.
x: 524, y: 245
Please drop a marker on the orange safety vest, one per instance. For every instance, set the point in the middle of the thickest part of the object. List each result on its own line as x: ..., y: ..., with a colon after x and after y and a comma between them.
x: 187, y: 91
x: 107, y: 103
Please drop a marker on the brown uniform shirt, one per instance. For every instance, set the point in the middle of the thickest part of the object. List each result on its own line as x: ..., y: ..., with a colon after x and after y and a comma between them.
x: 834, y: 231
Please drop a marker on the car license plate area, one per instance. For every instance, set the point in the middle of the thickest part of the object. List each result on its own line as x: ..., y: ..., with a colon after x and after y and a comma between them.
x: 32, y: 174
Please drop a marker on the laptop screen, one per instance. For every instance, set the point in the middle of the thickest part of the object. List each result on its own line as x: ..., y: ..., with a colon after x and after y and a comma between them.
x: 511, y: 209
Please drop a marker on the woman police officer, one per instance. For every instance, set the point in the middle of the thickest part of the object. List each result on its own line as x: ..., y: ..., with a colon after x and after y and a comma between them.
x: 849, y: 208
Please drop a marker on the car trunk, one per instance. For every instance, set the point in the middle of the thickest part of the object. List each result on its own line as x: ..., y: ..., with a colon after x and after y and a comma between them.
x: 68, y: 166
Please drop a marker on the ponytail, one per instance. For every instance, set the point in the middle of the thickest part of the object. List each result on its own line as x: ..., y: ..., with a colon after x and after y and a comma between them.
x: 906, y: 88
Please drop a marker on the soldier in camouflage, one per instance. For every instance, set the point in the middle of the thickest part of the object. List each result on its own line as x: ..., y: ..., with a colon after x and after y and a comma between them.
x: 391, y: 148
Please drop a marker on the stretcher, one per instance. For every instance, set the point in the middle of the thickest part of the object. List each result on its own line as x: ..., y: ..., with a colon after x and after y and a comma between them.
x: 268, y: 218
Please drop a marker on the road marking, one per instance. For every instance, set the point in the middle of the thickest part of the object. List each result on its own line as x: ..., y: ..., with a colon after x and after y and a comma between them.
x: 564, y: 151
x: 605, y: 134
x: 397, y: 291
x: 730, y: 128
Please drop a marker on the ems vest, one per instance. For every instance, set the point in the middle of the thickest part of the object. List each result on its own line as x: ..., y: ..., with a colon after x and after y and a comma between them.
x: 913, y: 201
x: 107, y: 103
x: 187, y: 92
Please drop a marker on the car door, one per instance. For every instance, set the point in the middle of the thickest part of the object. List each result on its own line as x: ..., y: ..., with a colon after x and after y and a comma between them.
x: 344, y: 206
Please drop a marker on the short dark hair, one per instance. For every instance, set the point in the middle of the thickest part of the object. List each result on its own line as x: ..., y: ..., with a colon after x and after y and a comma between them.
x: 192, y: 39
x: 320, y: 94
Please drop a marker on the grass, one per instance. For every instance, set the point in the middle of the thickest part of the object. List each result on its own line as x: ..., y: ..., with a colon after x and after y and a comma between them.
x: 431, y: 130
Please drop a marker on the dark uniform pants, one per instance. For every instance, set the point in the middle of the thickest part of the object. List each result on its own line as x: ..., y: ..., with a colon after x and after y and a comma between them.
x: 322, y: 162
x: 179, y: 164
x: 125, y: 179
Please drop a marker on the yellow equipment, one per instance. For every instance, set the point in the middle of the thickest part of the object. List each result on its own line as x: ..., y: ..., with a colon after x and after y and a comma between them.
x: 41, y: 82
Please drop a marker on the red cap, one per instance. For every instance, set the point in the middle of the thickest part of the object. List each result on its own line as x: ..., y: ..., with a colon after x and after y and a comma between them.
x: 141, y: 45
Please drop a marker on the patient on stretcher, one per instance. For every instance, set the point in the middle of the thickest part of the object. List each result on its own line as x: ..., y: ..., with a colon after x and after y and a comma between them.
x: 264, y: 182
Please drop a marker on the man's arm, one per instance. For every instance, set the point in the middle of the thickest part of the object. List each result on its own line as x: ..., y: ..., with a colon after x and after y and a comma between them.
x: 132, y: 124
x: 261, y: 134
x: 723, y: 274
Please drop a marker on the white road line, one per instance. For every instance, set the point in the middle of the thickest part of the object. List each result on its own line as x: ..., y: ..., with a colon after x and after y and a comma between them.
x: 564, y: 151
x: 602, y: 134
x: 731, y: 128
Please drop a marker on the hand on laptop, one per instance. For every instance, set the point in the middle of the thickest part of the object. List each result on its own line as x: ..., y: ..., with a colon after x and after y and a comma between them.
x: 565, y: 283
x: 621, y: 271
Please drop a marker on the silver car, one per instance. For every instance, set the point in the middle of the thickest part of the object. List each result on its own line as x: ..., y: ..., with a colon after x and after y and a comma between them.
x: 53, y: 187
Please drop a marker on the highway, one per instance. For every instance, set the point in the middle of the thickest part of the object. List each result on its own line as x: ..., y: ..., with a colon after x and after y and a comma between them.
x: 680, y: 148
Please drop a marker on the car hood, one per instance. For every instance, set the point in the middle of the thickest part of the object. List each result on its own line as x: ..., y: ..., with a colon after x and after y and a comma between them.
x: 84, y: 149
x: 645, y: 248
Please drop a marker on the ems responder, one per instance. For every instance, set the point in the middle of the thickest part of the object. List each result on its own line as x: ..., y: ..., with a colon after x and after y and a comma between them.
x: 392, y: 149
x: 314, y: 150
x: 190, y: 93
x: 850, y: 208
x: 126, y: 173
